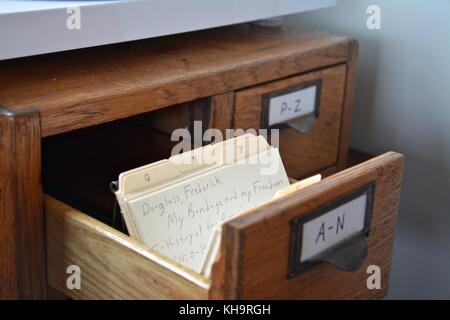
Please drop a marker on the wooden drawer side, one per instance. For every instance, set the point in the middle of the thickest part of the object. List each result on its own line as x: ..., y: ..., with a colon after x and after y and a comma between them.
x: 113, y: 266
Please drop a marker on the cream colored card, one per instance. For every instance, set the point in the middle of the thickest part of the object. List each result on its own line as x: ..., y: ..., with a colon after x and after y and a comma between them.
x: 174, y: 205
x: 178, y: 220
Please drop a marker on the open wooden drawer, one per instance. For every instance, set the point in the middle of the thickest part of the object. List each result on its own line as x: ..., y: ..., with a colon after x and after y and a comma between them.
x: 255, y: 255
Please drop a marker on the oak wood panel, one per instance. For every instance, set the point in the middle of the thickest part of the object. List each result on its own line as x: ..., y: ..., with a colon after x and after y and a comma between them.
x: 8, y: 246
x: 113, y: 266
x: 222, y: 111
x: 255, y: 247
x: 302, y: 153
x: 350, y: 83
x: 85, y: 87
x: 22, y: 236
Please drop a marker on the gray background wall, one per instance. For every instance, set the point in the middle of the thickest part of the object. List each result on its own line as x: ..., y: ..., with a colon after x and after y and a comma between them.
x: 402, y: 103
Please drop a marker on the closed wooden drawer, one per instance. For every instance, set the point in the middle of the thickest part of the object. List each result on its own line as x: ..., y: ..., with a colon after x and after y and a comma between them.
x: 256, y: 250
x: 309, y: 152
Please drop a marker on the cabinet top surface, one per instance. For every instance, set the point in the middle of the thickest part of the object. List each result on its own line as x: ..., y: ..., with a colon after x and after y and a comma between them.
x: 124, y: 79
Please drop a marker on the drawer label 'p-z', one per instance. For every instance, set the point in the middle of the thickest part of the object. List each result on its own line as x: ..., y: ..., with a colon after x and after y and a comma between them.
x: 325, y: 230
x: 285, y: 106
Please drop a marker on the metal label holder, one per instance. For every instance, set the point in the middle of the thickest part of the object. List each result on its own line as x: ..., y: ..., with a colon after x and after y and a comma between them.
x: 302, y: 124
x: 347, y: 255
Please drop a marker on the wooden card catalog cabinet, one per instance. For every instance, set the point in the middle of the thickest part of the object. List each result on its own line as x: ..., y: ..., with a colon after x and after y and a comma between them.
x: 85, y: 116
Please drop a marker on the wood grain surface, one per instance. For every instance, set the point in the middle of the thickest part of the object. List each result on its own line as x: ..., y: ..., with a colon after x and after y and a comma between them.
x: 113, y: 265
x: 22, y: 236
x: 222, y: 111
x: 302, y: 153
x: 81, y: 88
x: 255, y: 247
x: 347, y: 108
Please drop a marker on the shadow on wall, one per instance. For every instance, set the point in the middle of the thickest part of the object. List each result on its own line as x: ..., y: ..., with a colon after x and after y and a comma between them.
x: 402, y: 103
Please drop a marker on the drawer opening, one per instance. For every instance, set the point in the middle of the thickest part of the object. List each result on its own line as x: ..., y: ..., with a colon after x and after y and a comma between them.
x: 78, y: 166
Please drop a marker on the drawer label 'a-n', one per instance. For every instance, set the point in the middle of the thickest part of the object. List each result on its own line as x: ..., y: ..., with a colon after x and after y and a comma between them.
x: 328, y: 227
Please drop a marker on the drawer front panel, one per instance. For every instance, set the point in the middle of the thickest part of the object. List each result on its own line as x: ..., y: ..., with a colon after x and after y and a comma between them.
x: 112, y: 265
x: 302, y: 153
x: 256, y: 247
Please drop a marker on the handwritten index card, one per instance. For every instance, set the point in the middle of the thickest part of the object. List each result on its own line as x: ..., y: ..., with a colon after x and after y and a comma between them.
x: 175, y: 207
x: 178, y: 220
